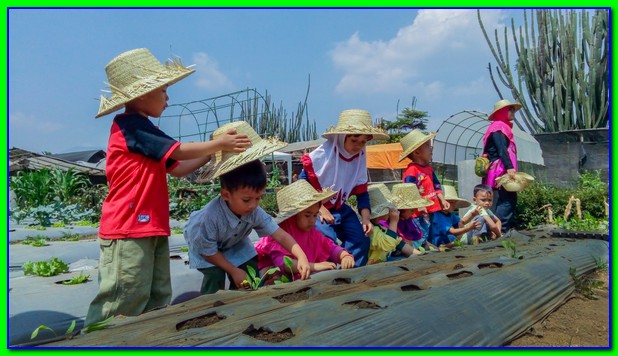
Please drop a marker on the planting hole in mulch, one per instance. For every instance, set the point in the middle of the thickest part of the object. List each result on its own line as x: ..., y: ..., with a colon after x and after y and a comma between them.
x: 410, y: 287
x: 458, y: 266
x: 490, y: 265
x: 218, y: 303
x: 338, y: 281
x: 200, y: 321
x: 269, y: 336
x: 460, y: 256
x: 404, y: 268
x: 462, y: 274
x: 300, y: 294
x: 363, y: 304
x: 65, y: 282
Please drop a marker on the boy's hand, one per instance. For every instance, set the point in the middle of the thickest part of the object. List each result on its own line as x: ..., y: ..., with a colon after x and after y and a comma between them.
x: 422, y: 210
x: 367, y: 227
x: 393, y: 214
x: 303, y: 268
x: 445, y: 204
x: 473, y: 225
x: 231, y: 142
x: 511, y: 172
x: 238, y: 276
x: 327, y: 217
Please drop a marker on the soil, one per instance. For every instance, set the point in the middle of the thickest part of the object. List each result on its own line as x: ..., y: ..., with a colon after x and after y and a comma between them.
x: 580, y: 322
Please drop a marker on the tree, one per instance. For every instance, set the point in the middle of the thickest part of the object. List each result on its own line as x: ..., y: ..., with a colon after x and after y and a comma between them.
x: 409, y: 119
x: 563, y: 67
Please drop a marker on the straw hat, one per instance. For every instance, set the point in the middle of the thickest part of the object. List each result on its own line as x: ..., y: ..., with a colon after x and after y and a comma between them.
x: 356, y: 122
x: 406, y: 196
x: 521, y: 181
x: 223, y: 162
x: 502, y: 104
x: 297, y: 197
x: 450, y: 193
x: 135, y: 73
x: 412, y: 141
x: 380, y: 198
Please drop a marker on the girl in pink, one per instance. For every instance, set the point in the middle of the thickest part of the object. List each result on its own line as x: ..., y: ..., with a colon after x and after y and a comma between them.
x: 299, y: 205
x: 499, y: 145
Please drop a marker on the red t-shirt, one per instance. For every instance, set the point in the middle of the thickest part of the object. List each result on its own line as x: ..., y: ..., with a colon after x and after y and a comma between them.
x: 137, y: 204
x: 427, y: 183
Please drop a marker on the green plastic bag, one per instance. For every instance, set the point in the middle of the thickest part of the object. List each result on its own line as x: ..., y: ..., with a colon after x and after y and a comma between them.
x: 481, y: 165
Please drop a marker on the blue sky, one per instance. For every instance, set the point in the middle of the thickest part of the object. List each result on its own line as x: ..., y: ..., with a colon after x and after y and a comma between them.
x: 357, y: 58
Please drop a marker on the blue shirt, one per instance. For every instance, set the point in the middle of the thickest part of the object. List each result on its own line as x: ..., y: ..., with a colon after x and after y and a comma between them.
x: 216, y: 228
x: 441, y: 223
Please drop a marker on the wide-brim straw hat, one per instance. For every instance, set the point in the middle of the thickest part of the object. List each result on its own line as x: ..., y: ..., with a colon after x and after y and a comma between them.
x: 297, y: 197
x: 450, y: 194
x: 412, y: 141
x: 407, y: 196
x: 222, y: 162
x: 501, y: 105
x: 356, y: 122
x: 521, y: 181
x: 381, y: 199
x: 135, y: 73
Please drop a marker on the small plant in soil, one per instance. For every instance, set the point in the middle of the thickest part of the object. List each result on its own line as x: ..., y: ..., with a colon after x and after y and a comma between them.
x: 35, y: 241
x: 511, y: 248
x: 54, y: 267
x: 585, y: 286
x: 253, y: 280
x: 82, y: 278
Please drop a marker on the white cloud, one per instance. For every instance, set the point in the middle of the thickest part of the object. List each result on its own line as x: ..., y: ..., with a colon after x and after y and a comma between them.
x: 209, y: 76
x: 418, y: 53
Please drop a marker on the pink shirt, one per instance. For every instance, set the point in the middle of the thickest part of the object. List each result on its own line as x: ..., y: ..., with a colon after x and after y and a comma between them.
x: 316, y: 246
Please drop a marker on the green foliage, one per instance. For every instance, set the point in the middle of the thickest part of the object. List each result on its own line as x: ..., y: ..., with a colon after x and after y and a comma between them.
x: 289, y: 265
x: 36, y: 241
x: 177, y: 230
x: 44, y: 186
x: 590, y: 189
x: 56, y: 213
x: 186, y: 197
x: 54, y: 267
x: 585, y: 286
x: 562, y: 63
x: 253, y: 279
x: 511, y: 248
x: 275, y: 178
x: 98, y: 326
x: 269, y: 203
x: 82, y: 278
x: 409, y: 119
x: 35, y: 333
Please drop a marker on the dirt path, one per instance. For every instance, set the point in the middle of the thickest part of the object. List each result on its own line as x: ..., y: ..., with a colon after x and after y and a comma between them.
x: 580, y: 322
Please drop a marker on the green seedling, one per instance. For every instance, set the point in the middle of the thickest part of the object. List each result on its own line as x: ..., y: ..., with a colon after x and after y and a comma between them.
x: 458, y: 243
x: 184, y: 249
x: 35, y: 333
x: 82, y: 278
x: 177, y: 230
x: 511, y: 247
x: 253, y: 279
x: 289, y: 264
x: 585, y: 286
x: 54, y: 267
x: 36, y: 241
x: 98, y: 326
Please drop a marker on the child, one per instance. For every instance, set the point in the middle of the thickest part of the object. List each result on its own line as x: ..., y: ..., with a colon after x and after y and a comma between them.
x: 218, y: 234
x: 417, y: 147
x: 134, y: 269
x: 385, y: 240
x: 299, y: 204
x: 340, y: 164
x: 407, y: 228
x: 446, y: 226
x: 490, y: 226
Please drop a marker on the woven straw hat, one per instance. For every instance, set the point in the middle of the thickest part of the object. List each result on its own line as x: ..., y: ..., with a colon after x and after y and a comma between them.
x: 356, y: 122
x: 502, y: 104
x: 412, y: 141
x: 223, y: 162
x: 380, y: 198
x: 135, y: 73
x: 406, y: 196
x: 450, y: 193
x: 521, y: 181
x: 297, y: 197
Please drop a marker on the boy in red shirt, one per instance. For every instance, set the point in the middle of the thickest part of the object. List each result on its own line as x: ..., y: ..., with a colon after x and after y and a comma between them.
x: 417, y: 147
x: 134, y: 270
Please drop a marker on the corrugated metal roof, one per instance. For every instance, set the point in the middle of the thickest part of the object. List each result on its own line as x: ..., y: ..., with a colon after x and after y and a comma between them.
x: 20, y: 159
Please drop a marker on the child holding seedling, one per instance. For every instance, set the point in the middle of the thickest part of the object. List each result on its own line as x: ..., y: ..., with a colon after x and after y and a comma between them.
x: 446, y: 226
x: 299, y: 205
x: 218, y: 234
x: 385, y: 240
x: 490, y: 226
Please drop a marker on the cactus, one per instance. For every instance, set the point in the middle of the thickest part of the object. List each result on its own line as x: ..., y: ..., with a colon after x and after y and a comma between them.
x: 563, y: 69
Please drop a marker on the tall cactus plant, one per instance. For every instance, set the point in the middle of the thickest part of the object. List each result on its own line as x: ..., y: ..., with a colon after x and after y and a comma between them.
x: 564, y: 69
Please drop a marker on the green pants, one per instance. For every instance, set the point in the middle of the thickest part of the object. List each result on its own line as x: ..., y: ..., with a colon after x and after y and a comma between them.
x: 214, y: 277
x: 134, y: 277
